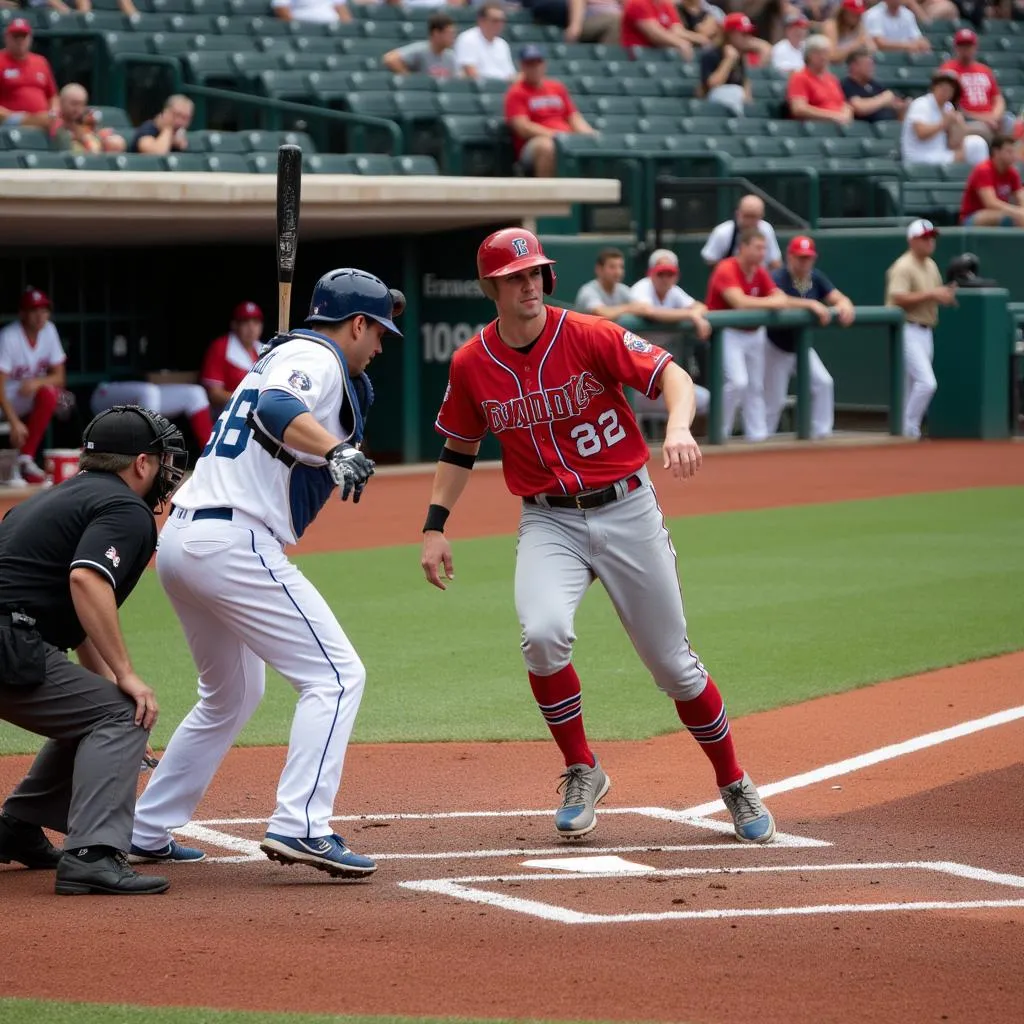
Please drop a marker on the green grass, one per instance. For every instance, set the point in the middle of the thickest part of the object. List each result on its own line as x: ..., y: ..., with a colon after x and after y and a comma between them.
x: 783, y: 605
x: 34, y: 1011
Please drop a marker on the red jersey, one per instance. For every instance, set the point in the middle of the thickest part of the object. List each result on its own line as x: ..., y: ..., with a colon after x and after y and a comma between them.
x: 986, y: 176
x: 823, y: 91
x: 548, y: 104
x: 226, y: 362
x: 978, y: 86
x: 664, y: 12
x: 26, y: 86
x: 558, y: 411
x: 729, y: 274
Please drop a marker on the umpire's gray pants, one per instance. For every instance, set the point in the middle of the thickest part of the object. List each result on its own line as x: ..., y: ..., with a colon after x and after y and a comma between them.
x: 84, y: 780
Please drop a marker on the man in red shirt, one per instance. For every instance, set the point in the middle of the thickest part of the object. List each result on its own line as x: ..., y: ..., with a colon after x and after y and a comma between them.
x: 993, y: 195
x: 548, y: 383
x: 742, y: 282
x: 654, y: 23
x: 981, y: 101
x: 230, y: 357
x: 814, y: 94
x: 537, y: 109
x: 28, y: 91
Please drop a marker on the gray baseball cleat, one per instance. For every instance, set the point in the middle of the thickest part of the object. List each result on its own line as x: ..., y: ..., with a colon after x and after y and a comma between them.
x: 583, y: 788
x: 753, y: 821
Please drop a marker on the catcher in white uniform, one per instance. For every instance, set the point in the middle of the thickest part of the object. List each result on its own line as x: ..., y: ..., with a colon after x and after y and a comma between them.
x: 276, y: 453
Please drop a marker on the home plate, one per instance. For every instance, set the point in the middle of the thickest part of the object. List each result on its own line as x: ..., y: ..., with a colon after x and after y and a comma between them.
x: 616, y: 865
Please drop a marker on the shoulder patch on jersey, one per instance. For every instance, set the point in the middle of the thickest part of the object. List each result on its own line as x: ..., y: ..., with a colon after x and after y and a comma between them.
x: 112, y: 556
x: 299, y: 380
x: 635, y: 343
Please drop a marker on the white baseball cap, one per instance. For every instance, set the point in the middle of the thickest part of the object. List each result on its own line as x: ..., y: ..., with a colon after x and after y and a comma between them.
x: 922, y: 229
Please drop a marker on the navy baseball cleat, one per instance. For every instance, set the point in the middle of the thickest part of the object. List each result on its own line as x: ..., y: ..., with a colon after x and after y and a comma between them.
x: 326, y: 853
x: 752, y: 820
x: 172, y: 853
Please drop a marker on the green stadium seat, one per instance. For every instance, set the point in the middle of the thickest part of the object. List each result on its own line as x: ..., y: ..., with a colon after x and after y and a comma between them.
x: 878, y: 148
x: 843, y: 148
x: 414, y: 165
x: 328, y: 163
x: 368, y: 47
x: 471, y: 145
x: 883, y: 129
x: 859, y: 130
x: 169, y: 6
x: 118, y: 43
x: 24, y: 138
x: 820, y: 129
x: 263, y: 163
x: 230, y: 43
x: 114, y: 117
x: 103, y: 21
x: 210, y: 7
x: 414, y: 83
x: 253, y: 63
x: 373, y: 164
x: 217, y: 142
x: 493, y: 104
x: 211, y: 68
x: 317, y: 44
x: 766, y: 146
x: 785, y: 129
x: 958, y: 173
x: 476, y: 84
x: 10, y: 161
x: 374, y: 104
x: 168, y: 45
x: 87, y: 162
x: 301, y: 139
x: 194, y: 24
x: 269, y: 26
x: 622, y: 124
x: 136, y: 162
x: 455, y: 103
x: 246, y: 8
x: 292, y: 60
x: 185, y: 162
x: 369, y: 81
x: 285, y: 85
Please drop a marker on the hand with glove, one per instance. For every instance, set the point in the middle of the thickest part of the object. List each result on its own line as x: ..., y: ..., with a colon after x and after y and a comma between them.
x: 350, y: 469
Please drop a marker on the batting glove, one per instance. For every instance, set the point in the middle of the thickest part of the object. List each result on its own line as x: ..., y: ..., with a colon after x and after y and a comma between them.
x: 349, y: 469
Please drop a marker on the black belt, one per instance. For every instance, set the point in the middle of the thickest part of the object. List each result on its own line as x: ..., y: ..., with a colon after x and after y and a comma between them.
x: 204, y: 513
x: 587, y: 500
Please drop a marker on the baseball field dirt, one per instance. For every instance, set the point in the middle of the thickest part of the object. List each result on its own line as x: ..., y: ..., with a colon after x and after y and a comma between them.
x: 895, y: 891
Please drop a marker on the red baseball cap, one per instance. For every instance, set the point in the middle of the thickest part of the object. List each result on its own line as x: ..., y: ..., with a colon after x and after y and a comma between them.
x: 801, y: 246
x: 247, y: 311
x: 19, y: 27
x: 33, y: 298
x: 965, y: 37
x: 737, y: 22
x: 857, y: 6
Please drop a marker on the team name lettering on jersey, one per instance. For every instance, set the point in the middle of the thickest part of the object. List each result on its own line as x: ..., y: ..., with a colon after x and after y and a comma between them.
x: 543, y: 406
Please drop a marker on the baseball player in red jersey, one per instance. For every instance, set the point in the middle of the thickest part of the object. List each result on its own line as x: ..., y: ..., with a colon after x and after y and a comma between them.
x: 547, y: 383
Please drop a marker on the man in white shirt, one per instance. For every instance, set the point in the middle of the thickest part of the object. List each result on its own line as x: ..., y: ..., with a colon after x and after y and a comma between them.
x: 724, y: 239
x: 893, y: 26
x: 935, y: 132
x: 481, y: 52
x: 788, y: 52
x: 320, y: 12
x: 32, y: 380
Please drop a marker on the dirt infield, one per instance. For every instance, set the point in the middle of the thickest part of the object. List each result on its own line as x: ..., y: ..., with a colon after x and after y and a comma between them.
x: 895, y: 891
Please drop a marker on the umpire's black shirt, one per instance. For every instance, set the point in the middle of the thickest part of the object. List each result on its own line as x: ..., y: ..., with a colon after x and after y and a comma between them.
x: 94, y: 520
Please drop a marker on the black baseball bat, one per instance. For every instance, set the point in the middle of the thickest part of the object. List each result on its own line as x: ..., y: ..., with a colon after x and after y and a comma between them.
x: 289, y: 193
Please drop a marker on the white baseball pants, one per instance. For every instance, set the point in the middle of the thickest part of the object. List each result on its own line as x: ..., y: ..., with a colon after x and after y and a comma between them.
x: 167, y: 399
x: 919, y: 384
x: 743, y: 361
x: 244, y: 605
x: 779, y: 368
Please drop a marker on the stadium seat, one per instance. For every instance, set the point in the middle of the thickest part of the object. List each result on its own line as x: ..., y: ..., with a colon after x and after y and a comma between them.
x: 284, y: 85
x: 114, y: 117
x: 136, y: 162
x: 415, y: 165
x: 88, y: 162
x: 217, y: 142
x: 227, y: 163
x: 43, y: 161
x: 10, y: 161
x: 211, y: 68
x: 263, y: 163
x: 329, y: 163
x: 23, y: 138
x: 185, y: 162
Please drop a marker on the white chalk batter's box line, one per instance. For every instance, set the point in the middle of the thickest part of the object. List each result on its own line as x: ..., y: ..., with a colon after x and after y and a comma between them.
x: 248, y: 849
x: 464, y: 889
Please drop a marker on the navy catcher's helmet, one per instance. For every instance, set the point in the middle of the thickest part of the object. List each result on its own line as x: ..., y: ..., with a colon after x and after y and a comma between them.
x: 342, y: 294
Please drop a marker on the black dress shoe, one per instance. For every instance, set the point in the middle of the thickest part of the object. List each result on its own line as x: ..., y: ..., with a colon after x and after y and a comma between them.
x: 108, y: 876
x: 27, y: 844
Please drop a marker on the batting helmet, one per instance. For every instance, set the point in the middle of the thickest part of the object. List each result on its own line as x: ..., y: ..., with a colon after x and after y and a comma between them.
x: 509, y: 251
x: 132, y: 430
x: 342, y: 294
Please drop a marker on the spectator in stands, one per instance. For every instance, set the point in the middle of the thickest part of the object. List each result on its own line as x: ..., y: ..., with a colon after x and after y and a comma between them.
x: 741, y: 282
x: 321, y: 12
x: 993, y: 195
x: 78, y: 128
x: 700, y: 21
x: 658, y: 296
x: 607, y: 295
x: 869, y: 101
x: 723, y: 70
x: 230, y: 357
x: 481, y: 52
x: 654, y: 23
x: 537, y: 109
x: 846, y: 30
x: 892, y: 25
x: 32, y: 381
x: 593, y: 21
x: 168, y: 131
x: 724, y: 239
x: 432, y: 56
x: 934, y: 131
x: 788, y: 52
x: 914, y: 284
x: 815, y: 94
x: 981, y: 101
x: 808, y: 288
x: 28, y: 90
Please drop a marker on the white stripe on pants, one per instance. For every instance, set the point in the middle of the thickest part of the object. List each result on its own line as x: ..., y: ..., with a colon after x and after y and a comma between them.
x: 779, y: 367
x: 919, y: 377
x: 243, y: 604
x: 743, y: 362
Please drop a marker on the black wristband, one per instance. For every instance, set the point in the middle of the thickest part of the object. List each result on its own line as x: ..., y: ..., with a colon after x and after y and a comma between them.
x: 460, y: 459
x: 437, y: 516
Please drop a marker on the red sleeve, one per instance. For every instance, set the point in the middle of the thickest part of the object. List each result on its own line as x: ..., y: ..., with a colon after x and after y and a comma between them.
x: 212, y: 371
x: 798, y: 87
x: 570, y: 107
x: 765, y: 282
x: 516, y: 103
x: 625, y: 357
x: 725, y: 275
x: 983, y: 176
x: 459, y: 416
x: 638, y: 10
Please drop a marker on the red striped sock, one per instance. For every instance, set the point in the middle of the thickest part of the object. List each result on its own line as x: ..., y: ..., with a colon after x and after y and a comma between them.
x: 561, y: 704
x: 708, y: 723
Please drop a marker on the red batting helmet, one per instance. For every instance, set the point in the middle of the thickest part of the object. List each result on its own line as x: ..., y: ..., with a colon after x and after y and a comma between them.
x: 507, y: 252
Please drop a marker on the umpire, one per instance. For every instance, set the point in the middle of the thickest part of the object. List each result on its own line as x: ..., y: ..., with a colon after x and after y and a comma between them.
x: 69, y: 557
